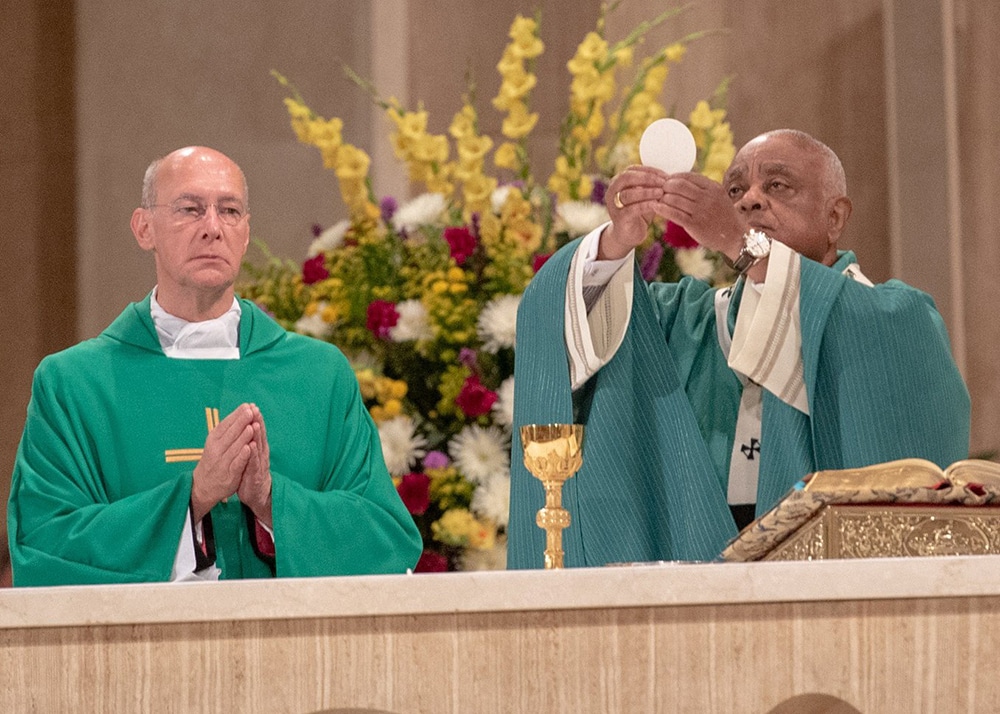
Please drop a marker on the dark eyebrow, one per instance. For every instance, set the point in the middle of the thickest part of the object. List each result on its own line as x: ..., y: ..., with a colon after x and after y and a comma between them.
x: 733, y: 174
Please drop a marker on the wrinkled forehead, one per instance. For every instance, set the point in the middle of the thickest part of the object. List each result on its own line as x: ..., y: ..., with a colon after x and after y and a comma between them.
x: 774, y: 155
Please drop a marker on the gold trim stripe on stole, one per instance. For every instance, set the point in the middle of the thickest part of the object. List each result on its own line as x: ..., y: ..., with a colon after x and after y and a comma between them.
x: 176, y: 455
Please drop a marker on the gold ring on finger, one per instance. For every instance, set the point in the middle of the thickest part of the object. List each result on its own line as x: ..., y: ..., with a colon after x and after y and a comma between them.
x: 618, y: 200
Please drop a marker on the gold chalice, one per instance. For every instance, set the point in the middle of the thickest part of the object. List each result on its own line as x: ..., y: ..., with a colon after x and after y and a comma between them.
x: 553, y: 453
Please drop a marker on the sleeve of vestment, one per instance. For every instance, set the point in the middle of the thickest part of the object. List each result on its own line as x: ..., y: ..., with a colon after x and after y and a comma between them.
x: 62, y: 526
x: 354, y: 522
x: 598, y: 304
x: 881, y: 380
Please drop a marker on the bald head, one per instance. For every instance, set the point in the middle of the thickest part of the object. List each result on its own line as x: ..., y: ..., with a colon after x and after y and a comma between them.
x: 834, y: 179
x: 189, y: 155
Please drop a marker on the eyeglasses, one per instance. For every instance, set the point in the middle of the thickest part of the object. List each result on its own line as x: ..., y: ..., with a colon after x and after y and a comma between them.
x: 190, y: 211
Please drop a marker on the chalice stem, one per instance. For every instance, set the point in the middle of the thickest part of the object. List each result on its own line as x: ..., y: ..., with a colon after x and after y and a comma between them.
x: 553, y: 549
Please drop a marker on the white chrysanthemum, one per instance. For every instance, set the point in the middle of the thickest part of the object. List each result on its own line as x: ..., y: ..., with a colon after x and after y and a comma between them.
x: 479, y: 452
x: 581, y: 217
x: 621, y: 156
x: 363, y: 359
x: 695, y: 262
x: 503, y: 407
x: 314, y: 324
x: 497, y: 322
x: 494, y: 558
x: 499, y: 197
x: 423, y: 210
x: 492, y: 498
x: 329, y: 239
x: 413, y: 323
x: 402, y: 446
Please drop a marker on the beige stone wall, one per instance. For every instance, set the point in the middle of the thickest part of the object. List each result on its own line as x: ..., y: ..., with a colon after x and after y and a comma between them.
x: 979, y: 109
x: 37, y: 190
x: 84, y: 112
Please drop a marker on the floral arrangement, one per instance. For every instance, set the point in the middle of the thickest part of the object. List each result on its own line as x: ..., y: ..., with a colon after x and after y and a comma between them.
x: 422, y: 297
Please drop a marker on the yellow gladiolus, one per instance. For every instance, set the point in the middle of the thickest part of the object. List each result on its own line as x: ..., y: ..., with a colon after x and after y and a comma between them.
x: 519, y: 122
x: 526, y: 43
x: 505, y: 157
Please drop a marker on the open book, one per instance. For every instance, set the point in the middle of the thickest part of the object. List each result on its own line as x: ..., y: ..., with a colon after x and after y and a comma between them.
x: 970, y: 482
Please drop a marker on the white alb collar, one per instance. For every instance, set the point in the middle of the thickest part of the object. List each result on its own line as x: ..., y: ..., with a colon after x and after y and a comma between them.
x: 217, y: 338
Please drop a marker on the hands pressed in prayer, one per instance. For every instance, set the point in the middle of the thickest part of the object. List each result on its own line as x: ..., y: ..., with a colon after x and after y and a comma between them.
x: 255, y: 486
x: 236, y: 460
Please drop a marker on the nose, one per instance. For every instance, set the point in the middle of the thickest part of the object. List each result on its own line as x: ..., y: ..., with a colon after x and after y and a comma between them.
x: 751, y: 200
x: 212, y: 223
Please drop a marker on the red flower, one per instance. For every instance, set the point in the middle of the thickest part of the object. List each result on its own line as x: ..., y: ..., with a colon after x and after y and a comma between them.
x: 475, y: 399
x: 382, y: 317
x: 461, y: 242
x: 314, y: 270
x: 677, y: 237
x: 539, y: 261
x: 431, y: 562
x: 415, y: 490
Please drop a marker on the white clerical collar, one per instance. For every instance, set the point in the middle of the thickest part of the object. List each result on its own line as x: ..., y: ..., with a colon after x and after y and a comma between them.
x: 217, y: 338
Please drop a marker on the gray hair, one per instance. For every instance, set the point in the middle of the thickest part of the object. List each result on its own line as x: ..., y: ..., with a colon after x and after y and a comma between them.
x: 149, y: 184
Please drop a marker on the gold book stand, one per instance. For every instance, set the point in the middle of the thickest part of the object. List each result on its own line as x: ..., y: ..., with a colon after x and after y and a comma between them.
x: 905, y: 508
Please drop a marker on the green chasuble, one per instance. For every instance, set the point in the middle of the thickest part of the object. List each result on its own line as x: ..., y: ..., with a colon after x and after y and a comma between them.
x: 660, y: 415
x: 102, y: 479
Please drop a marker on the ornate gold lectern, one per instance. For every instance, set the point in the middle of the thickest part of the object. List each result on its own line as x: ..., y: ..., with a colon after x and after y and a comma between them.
x: 901, y: 508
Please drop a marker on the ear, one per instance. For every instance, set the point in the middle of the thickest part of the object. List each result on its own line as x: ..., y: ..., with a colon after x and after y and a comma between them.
x: 141, y: 228
x: 838, y: 213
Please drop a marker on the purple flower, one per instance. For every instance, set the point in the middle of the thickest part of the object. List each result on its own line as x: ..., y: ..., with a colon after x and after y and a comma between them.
x: 436, y: 460
x: 317, y: 229
x: 651, y: 261
x: 467, y: 356
x: 597, y: 193
x: 388, y: 206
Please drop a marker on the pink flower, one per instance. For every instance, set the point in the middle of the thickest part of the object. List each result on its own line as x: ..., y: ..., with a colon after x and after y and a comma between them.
x: 436, y: 460
x: 539, y: 261
x: 314, y: 270
x: 475, y: 400
x: 677, y: 237
x: 414, y: 489
x: 461, y: 242
x: 431, y: 562
x: 382, y: 317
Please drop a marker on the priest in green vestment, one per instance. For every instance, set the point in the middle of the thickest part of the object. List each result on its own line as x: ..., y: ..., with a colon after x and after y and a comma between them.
x: 195, y: 438
x: 703, y: 406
